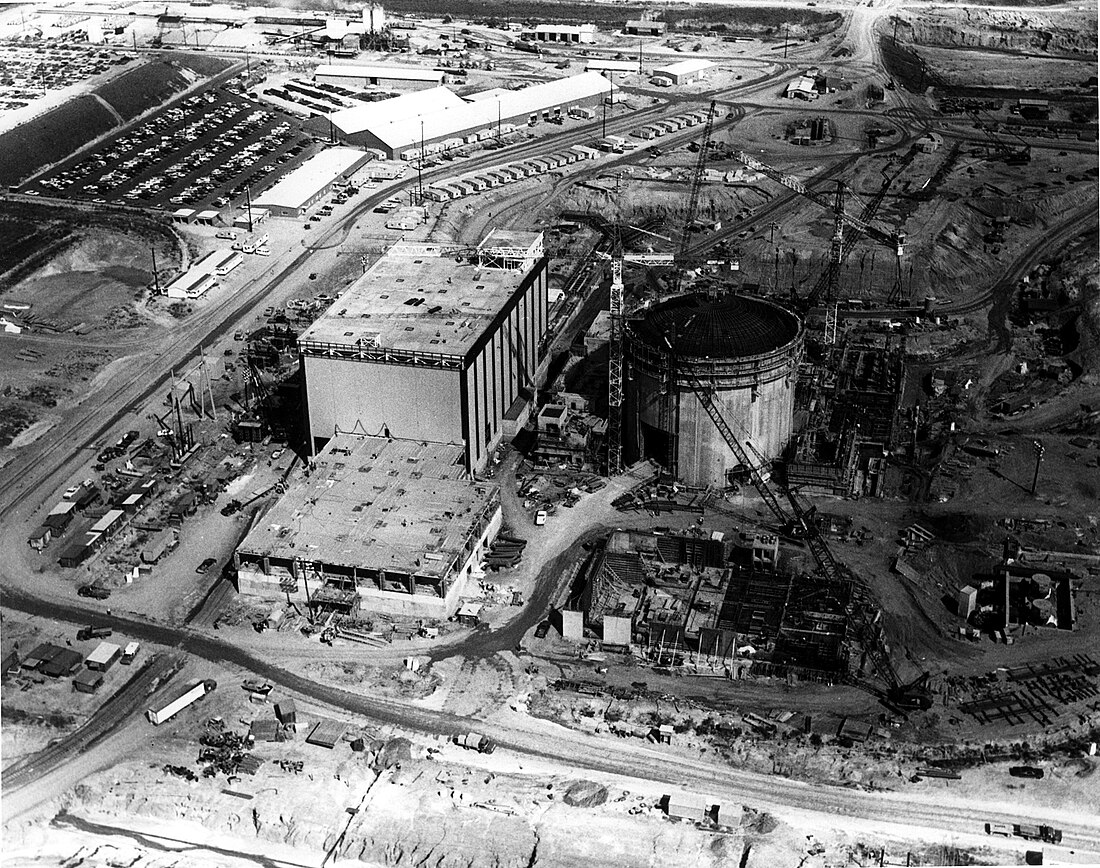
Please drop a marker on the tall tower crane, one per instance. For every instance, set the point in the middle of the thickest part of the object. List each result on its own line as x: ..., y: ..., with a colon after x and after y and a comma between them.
x: 693, y: 199
x: 615, y: 359
x: 828, y: 284
x: 912, y: 695
x: 841, y: 218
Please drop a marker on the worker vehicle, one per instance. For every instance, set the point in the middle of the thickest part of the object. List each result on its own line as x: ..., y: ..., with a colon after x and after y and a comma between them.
x: 205, y: 565
x: 90, y: 632
x: 129, y: 653
x: 475, y: 741
x: 1027, y: 831
x: 540, y: 517
x: 1026, y: 772
x: 93, y: 591
x: 262, y: 688
x: 157, y: 717
x: 542, y: 629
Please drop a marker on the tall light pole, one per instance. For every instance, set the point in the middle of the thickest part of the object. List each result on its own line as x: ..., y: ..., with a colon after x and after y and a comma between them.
x: 1038, y: 448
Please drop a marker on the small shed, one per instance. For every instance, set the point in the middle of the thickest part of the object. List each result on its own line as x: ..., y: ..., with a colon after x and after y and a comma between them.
x: 469, y: 614
x: 88, y: 681
x: 682, y: 806
x: 286, y: 711
x: 104, y: 656
x: 326, y: 733
x: 265, y: 731
x: 40, y: 538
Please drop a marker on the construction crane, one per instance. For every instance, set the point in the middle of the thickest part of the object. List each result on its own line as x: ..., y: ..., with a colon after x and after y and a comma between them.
x: 1001, y: 149
x: 693, y: 198
x: 615, y: 358
x: 828, y: 284
x: 906, y: 696
x: 841, y: 218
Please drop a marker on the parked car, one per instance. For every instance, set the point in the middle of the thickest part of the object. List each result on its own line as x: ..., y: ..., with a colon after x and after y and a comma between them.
x: 205, y: 565
x: 542, y: 629
x: 94, y: 591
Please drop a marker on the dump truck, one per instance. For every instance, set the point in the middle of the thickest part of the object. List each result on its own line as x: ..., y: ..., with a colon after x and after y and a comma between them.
x: 177, y: 705
x: 90, y: 632
x: 475, y: 741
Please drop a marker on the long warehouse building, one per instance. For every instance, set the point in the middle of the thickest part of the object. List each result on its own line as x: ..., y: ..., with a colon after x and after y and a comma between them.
x: 431, y: 117
x: 397, y: 77
x: 431, y: 346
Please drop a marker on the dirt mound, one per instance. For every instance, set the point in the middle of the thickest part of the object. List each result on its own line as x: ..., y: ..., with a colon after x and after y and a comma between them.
x: 396, y: 751
x: 585, y: 794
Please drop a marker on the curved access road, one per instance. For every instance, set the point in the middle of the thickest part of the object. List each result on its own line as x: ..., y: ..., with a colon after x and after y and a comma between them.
x: 570, y: 749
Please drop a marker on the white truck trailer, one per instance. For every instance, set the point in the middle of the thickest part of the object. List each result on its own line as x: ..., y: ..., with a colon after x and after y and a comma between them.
x: 177, y: 705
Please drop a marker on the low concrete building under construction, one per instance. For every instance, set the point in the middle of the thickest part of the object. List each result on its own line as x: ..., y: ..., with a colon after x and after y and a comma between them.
x: 695, y: 600
x: 382, y: 525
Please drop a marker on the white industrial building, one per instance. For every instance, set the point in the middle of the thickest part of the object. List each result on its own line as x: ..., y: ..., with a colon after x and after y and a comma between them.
x: 294, y: 193
x: 645, y: 28
x: 585, y: 34
x: 391, y: 77
x: 431, y: 346
x: 685, y: 71
x: 803, y: 87
x: 190, y: 285
x: 219, y: 262
x: 400, y: 126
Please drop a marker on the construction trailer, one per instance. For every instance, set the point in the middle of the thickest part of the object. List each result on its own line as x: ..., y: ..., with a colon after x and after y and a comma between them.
x: 87, y: 681
x: 157, y: 717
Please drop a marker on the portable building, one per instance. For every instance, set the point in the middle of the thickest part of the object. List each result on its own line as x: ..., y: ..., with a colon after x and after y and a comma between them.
x: 87, y: 681
x: 110, y: 522
x: 60, y: 515
x: 646, y: 133
x: 682, y: 806
x: 157, y: 546
x: 645, y: 28
x: 40, y: 538
x: 105, y: 655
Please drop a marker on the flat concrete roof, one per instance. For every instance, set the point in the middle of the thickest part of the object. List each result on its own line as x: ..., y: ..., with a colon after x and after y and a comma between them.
x: 376, y: 503
x: 417, y: 300
x: 299, y: 186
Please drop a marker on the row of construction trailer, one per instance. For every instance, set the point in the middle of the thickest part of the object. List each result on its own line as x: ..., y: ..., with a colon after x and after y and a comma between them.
x: 468, y: 185
x: 669, y: 125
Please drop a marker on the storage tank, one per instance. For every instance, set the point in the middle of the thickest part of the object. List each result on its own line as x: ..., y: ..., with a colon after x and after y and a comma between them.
x: 746, y: 350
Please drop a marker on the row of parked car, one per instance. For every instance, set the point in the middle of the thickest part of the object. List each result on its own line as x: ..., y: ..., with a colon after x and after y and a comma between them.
x: 171, y: 136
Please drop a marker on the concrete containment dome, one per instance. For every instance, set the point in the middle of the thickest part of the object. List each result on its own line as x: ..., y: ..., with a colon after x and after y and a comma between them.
x: 732, y: 326
x: 746, y: 350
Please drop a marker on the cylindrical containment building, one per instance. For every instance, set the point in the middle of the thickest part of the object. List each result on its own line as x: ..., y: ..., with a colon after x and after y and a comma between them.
x: 744, y: 351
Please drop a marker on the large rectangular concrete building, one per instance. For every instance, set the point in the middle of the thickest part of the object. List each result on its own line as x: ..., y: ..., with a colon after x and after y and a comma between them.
x: 432, y: 344
x: 385, y: 525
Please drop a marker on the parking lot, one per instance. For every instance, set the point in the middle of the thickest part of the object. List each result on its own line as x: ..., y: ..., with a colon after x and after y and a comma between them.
x: 202, y: 152
x: 28, y: 70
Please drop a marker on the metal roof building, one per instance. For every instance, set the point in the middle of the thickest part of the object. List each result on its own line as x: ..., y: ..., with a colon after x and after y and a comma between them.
x: 404, y: 77
x: 686, y: 71
x: 293, y: 194
x: 403, y: 128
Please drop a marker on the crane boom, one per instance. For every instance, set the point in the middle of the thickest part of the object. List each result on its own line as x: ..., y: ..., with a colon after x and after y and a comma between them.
x: 867, y: 634
x: 895, y: 240
x: 693, y: 197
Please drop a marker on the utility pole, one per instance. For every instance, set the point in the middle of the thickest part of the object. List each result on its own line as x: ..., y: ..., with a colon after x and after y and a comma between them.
x: 420, y: 167
x: 896, y: 20
x: 786, y: 36
x: 248, y: 205
x: 1038, y: 448
x: 156, y: 278
x: 639, y: 57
